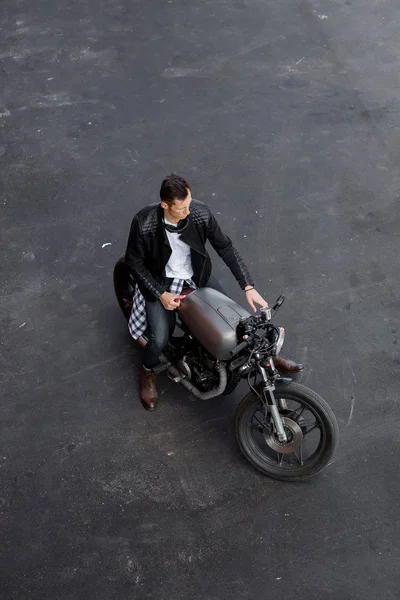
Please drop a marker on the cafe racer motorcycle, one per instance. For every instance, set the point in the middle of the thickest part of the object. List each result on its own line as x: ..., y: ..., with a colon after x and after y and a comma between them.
x: 284, y: 429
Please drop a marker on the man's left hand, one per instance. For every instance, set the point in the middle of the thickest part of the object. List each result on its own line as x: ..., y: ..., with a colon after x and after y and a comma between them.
x: 253, y: 298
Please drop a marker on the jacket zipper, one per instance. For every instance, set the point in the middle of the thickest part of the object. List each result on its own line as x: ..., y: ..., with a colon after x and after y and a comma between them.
x: 204, y: 262
x: 202, y: 271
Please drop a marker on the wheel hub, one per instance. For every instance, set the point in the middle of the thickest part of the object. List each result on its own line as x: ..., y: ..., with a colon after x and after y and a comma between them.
x: 294, y: 438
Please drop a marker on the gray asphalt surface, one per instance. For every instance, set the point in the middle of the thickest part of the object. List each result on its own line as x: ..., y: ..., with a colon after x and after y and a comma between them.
x: 285, y: 118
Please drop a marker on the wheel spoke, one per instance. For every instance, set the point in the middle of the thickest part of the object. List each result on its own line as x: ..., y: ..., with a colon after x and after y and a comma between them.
x: 298, y: 414
x: 279, y: 458
x: 258, y: 421
x: 299, y: 455
x: 314, y: 426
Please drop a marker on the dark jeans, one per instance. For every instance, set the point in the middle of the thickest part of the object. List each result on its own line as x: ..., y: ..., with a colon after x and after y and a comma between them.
x: 161, y: 325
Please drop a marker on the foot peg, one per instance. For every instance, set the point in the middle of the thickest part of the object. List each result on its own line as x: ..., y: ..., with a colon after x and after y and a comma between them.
x: 160, y: 368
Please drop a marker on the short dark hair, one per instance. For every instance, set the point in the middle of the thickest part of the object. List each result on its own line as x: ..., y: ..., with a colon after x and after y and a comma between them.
x: 173, y: 188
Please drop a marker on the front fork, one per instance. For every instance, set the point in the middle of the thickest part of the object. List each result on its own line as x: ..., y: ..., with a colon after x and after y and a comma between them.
x: 269, y: 397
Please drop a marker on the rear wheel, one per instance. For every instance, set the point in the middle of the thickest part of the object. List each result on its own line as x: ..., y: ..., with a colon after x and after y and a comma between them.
x: 310, y: 425
x: 124, y: 287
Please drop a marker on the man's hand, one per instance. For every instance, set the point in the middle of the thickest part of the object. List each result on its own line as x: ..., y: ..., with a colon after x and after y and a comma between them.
x: 253, y: 298
x: 171, y: 301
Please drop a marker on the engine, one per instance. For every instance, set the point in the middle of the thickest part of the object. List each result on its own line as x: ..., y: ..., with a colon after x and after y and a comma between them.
x: 199, y: 368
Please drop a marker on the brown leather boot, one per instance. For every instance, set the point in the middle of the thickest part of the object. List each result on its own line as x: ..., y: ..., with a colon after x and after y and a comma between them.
x: 148, y: 389
x: 286, y: 365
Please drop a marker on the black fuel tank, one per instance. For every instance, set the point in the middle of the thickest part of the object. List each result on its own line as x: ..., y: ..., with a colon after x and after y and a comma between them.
x: 212, y: 319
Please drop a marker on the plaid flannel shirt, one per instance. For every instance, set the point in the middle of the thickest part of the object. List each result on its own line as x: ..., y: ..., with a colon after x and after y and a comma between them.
x: 137, y: 321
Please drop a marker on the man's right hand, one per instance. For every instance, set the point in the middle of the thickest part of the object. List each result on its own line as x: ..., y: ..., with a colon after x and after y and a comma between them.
x: 170, y: 301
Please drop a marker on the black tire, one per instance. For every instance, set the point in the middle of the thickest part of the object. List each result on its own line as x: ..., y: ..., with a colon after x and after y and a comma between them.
x: 264, y: 456
x: 124, y: 287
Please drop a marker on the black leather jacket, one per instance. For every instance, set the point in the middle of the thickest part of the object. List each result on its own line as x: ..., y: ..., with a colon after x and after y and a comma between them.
x: 148, y: 250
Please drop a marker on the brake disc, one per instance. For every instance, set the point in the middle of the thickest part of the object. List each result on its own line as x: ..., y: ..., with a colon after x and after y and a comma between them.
x: 294, y: 435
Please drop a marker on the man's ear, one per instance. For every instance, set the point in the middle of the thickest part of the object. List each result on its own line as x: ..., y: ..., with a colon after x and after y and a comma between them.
x: 164, y: 205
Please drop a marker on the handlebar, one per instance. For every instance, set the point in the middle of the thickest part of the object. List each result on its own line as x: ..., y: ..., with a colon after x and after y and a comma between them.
x: 247, y: 327
x: 239, y: 348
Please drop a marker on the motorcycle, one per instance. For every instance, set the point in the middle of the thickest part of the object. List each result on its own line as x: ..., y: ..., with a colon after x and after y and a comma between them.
x: 284, y: 429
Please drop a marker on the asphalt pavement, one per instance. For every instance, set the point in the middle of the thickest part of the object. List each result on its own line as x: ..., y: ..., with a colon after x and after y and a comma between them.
x: 284, y: 116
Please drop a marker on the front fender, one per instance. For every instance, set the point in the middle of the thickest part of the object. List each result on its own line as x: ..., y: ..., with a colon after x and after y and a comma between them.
x: 283, y: 380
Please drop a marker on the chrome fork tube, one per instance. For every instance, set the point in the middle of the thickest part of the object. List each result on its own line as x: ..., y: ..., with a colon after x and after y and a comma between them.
x: 268, y: 392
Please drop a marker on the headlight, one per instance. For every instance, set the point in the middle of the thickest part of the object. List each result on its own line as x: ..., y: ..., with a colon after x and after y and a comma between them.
x: 281, y: 339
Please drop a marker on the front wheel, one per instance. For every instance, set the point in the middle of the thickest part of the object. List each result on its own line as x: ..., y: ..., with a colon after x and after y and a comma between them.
x: 311, y: 428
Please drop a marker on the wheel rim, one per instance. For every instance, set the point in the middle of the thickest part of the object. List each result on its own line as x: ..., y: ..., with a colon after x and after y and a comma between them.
x: 305, y: 428
x: 125, y: 298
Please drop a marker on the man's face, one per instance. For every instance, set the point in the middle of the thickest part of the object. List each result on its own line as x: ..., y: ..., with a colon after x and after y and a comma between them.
x: 178, y: 210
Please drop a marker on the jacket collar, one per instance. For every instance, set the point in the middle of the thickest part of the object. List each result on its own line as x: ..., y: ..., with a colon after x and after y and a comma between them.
x: 161, y: 233
x: 189, y: 235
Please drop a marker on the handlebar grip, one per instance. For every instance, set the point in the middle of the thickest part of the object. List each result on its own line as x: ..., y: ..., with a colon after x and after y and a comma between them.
x: 239, y: 348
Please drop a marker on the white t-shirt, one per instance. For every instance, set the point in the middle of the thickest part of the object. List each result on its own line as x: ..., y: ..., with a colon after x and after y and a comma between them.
x: 179, y: 265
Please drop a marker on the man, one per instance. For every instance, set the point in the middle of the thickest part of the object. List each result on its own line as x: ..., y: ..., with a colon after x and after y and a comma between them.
x: 166, y: 251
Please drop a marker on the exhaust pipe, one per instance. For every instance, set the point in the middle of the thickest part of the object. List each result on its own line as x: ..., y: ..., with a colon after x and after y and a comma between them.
x: 179, y: 377
x: 216, y: 391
